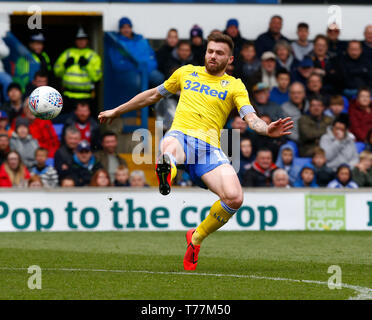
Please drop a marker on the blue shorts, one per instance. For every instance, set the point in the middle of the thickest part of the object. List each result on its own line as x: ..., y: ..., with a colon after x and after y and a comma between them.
x: 201, y: 157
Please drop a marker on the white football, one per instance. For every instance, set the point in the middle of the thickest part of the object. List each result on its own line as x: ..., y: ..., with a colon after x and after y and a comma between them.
x: 45, y: 103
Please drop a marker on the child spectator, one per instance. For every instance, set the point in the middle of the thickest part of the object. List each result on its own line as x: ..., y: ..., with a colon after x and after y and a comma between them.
x: 281, y: 179
x: 13, y: 107
x: 100, y: 179
x: 343, y: 178
x: 280, y: 93
x: 336, y: 106
x: 47, y: 174
x: 4, y: 147
x: 121, y: 177
x: 302, y: 47
x: 137, y: 179
x: 287, y: 161
x: 35, y: 182
x: 4, y: 122
x: 362, y: 172
x: 67, y: 182
x: 360, y: 114
x: 13, y: 173
x: 323, y: 174
x: 22, y: 142
x: 306, y: 178
x: 246, y: 156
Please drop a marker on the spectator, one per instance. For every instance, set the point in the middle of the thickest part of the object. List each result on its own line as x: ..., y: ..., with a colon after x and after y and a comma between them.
x: 84, y: 164
x: 137, y: 179
x: 336, y: 107
x: 13, y: 107
x: 121, y: 176
x: 85, y: 123
x: 79, y: 68
x: 343, y: 178
x: 247, y: 156
x: 4, y: 147
x: 302, y: 46
x: 339, y: 144
x: 362, y: 172
x: 164, y: 53
x: 260, y: 175
x: 5, y: 78
x: 266, y: 41
x: 198, y: 46
x: 4, y: 122
x: 22, y: 142
x: 22, y: 67
x: 323, y: 174
x: 281, y: 179
x: 40, y: 79
x: 181, y: 55
x: 336, y: 47
x: 247, y: 64
x: 360, y: 114
x: 314, y: 87
x: 306, y: 177
x: 35, y: 182
x: 367, y: 43
x: 47, y: 173
x: 261, y: 95
x: 312, y: 126
x: 356, y: 69
x: 100, y: 179
x: 239, y: 124
x: 139, y: 49
x: 267, y: 72
x: 295, y: 107
x: 304, y: 70
x: 13, y: 173
x: 369, y: 141
x: 285, y: 59
x: 108, y: 157
x: 280, y: 94
x: 63, y: 157
x: 287, y: 161
x: 67, y: 182
x: 232, y: 30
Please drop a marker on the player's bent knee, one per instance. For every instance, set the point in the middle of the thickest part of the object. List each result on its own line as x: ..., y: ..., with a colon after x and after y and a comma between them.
x: 233, y: 199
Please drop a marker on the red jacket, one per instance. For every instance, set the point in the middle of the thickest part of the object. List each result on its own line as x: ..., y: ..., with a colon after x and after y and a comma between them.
x: 360, y: 121
x: 4, y: 177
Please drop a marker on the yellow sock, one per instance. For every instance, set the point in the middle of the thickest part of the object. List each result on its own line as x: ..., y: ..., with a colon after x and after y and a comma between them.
x: 173, y: 171
x: 219, y: 214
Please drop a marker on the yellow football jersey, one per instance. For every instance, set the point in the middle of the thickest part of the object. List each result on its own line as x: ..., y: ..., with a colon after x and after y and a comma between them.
x: 205, y: 102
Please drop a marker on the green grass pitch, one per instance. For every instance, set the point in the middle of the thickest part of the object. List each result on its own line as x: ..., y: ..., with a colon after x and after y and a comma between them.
x: 148, y: 265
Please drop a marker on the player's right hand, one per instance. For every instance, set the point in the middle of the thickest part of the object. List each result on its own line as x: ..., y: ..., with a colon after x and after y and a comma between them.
x: 107, y: 116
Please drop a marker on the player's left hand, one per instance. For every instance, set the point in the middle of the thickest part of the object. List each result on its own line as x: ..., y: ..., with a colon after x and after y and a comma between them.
x: 280, y: 128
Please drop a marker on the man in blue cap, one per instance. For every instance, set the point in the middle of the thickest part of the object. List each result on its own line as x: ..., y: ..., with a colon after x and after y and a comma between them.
x: 232, y: 29
x: 303, y: 71
x: 266, y: 41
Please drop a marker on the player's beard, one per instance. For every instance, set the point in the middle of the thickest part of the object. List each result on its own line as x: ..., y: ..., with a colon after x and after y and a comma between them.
x: 216, y: 68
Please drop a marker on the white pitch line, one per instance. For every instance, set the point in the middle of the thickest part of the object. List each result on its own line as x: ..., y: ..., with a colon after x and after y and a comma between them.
x: 363, y: 293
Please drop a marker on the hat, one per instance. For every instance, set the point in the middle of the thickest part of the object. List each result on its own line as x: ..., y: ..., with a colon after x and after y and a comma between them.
x: 81, y: 34
x: 124, y: 21
x: 268, y: 55
x: 306, y: 62
x: 37, y: 37
x: 14, y: 85
x: 196, y: 31
x: 232, y: 22
x: 3, y: 115
x: 20, y: 121
x: 83, y: 146
x: 260, y: 86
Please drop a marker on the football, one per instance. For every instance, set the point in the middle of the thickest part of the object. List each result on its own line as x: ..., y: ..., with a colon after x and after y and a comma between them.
x: 45, y: 103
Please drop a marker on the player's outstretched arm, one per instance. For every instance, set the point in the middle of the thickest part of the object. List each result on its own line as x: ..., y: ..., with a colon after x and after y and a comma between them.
x: 141, y: 100
x: 275, y: 129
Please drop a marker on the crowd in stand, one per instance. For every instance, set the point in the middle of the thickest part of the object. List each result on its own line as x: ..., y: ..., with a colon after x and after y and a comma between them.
x: 324, y: 85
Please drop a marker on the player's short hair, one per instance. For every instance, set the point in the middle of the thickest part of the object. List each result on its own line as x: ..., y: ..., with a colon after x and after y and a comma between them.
x: 220, y: 37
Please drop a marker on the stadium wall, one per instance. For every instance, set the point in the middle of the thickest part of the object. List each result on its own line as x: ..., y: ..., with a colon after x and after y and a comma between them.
x: 153, y: 20
x: 145, y: 210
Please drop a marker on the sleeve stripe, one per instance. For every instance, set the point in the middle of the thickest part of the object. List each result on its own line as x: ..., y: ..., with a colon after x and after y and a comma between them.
x: 164, y: 92
x: 244, y: 110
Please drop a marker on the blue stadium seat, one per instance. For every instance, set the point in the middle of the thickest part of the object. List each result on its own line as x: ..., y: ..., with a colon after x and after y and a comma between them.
x: 302, y: 161
x: 50, y: 162
x: 58, y: 127
x: 360, y: 146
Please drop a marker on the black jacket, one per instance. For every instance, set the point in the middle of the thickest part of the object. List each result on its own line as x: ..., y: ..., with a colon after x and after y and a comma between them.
x: 83, y: 175
x: 63, y: 157
x: 162, y: 57
x: 266, y: 42
x: 356, y: 73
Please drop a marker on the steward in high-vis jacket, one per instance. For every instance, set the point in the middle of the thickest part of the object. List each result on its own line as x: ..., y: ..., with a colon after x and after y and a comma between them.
x: 79, y: 67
